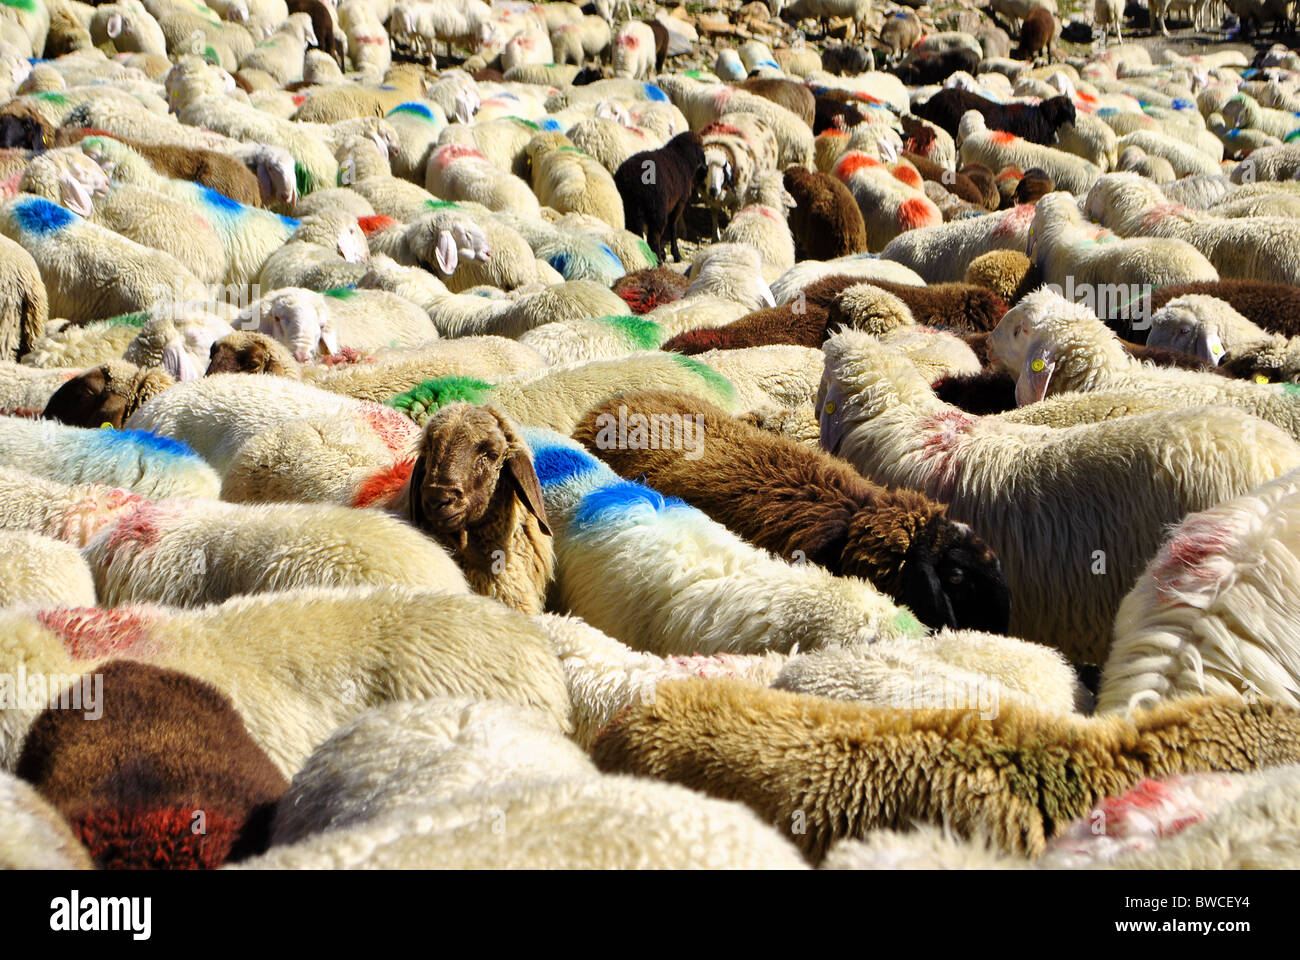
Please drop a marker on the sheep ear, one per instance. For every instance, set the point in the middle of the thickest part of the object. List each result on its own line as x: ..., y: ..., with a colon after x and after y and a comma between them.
x: 519, y: 469
x: 74, y: 195
x: 830, y: 417
x: 330, y: 341
x: 114, y: 25
x: 923, y: 594
x: 177, y: 361
x: 351, y: 248
x: 446, y: 253
x: 1034, y: 377
x: 414, y: 489
x: 765, y: 293
x: 1209, y: 347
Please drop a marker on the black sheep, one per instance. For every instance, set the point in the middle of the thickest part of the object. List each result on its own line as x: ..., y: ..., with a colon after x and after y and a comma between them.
x: 656, y: 186
x: 22, y: 133
x: 1036, y: 122
x: 932, y: 66
x: 829, y: 113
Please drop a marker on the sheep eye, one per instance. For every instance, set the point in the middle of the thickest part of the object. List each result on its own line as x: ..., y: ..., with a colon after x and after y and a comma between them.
x: 955, y: 578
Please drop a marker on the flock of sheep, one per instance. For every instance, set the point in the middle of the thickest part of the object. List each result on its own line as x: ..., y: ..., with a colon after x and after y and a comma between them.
x: 439, y: 434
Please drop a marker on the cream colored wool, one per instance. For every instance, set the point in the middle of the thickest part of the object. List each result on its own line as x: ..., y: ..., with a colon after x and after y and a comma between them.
x: 889, y: 425
x: 77, y: 346
x: 604, y: 675
x: 36, y: 571
x: 807, y: 272
x: 940, y: 254
x: 306, y: 661
x: 781, y: 374
x: 24, y: 390
x: 1063, y: 244
x: 567, y: 180
x: 33, y: 835
x: 1074, y: 351
x: 978, y: 144
x: 1212, y: 611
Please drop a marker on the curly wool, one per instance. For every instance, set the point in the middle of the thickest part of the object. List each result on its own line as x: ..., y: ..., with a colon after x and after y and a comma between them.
x: 36, y: 571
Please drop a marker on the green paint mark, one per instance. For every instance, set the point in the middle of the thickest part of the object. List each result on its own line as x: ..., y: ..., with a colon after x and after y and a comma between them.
x: 27, y: 6
x: 306, y: 182
x: 340, y: 293
x: 636, y: 331
x: 1292, y: 388
x: 906, y: 623
x: 527, y: 123
x: 649, y: 254
x: 716, y: 381
x: 441, y: 204
x: 127, y: 320
x: 50, y: 96
x: 435, y: 394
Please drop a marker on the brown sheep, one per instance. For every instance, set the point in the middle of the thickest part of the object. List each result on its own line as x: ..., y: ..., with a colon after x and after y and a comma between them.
x: 899, y: 33
x: 791, y: 94
x: 167, y: 776
x: 652, y: 287
x: 1008, y: 273
x: 246, y: 352
x: 473, y: 489
x: 109, y: 393
x: 826, y: 221
x: 822, y: 769
x: 986, y: 181
x: 804, y: 504
x: 1039, y: 30
x: 1034, y: 185
x: 952, y: 306
x: 217, y: 171
x: 957, y: 184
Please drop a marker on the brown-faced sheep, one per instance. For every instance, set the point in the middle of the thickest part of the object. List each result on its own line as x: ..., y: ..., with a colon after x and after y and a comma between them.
x: 474, y: 490
x: 656, y: 187
x: 1032, y: 186
x: 986, y: 180
x: 652, y: 287
x: 247, y: 352
x: 803, y: 504
x: 821, y: 769
x: 826, y: 221
x: 109, y: 393
x: 1035, y: 122
x: 159, y: 773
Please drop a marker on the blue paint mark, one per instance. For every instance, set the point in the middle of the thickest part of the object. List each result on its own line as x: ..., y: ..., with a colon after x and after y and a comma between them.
x: 654, y: 93
x: 219, y: 200
x: 1107, y: 111
x: 550, y: 125
x: 289, y: 222
x: 40, y: 217
x: 613, y: 257
x: 149, y: 441
x: 558, y: 464
x: 560, y: 261
x: 619, y: 498
x: 418, y: 109
x: 1181, y: 104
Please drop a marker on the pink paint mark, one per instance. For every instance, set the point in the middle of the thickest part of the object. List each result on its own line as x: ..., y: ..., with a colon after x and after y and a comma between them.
x: 719, y: 128
x: 89, y: 633
x: 628, y: 40
x: 80, y: 521
x: 142, y: 528
x: 941, y: 447
x: 1015, y: 221
x: 395, y: 431
x: 1189, y: 562
x: 445, y: 155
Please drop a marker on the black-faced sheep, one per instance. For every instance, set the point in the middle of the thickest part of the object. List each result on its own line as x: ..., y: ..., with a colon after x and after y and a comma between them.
x: 1036, y: 122
x: 474, y: 490
x: 656, y: 187
x: 804, y: 504
x: 933, y: 66
x: 109, y: 393
x: 160, y: 772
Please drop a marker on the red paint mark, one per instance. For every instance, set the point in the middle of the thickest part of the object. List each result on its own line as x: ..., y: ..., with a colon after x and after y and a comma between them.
x: 89, y: 633
x: 1001, y: 136
x: 836, y: 131
x: 298, y: 99
x: 345, y: 357
x: 141, y: 529
x: 717, y: 127
x: 382, y: 488
x: 375, y: 223
x: 157, y: 839
x: 1010, y: 173
x: 908, y: 175
x: 628, y: 40
x: 918, y: 212
x: 455, y: 151
x: 26, y: 413
x: 1183, y: 563
x: 80, y: 521
x: 867, y: 98
x: 852, y: 162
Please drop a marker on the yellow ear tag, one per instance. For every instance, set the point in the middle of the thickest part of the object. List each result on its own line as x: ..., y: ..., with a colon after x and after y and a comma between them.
x: 106, y: 426
x: 1260, y: 378
x: 830, y: 406
x: 1216, y: 350
x: 1037, y: 366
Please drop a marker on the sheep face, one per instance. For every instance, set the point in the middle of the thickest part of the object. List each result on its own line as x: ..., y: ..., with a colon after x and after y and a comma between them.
x: 951, y: 578
x: 470, y: 458
x: 23, y: 133
x: 245, y: 353
x: 302, y: 324
x: 87, y: 401
x: 1179, y: 328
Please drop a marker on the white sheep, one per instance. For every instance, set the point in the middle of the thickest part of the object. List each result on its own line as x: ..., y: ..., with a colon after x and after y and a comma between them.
x: 314, y: 325
x: 634, y: 51
x: 878, y: 413
x: 996, y: 149
x: 36, y: 571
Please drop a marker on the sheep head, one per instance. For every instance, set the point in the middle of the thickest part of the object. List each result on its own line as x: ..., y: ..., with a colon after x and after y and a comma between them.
x: 936, y: 567
x: 471, y: 458
x: 245, y: 352
x: 109, y: 393
x: 299, y: 319
x: 1177, y: 326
